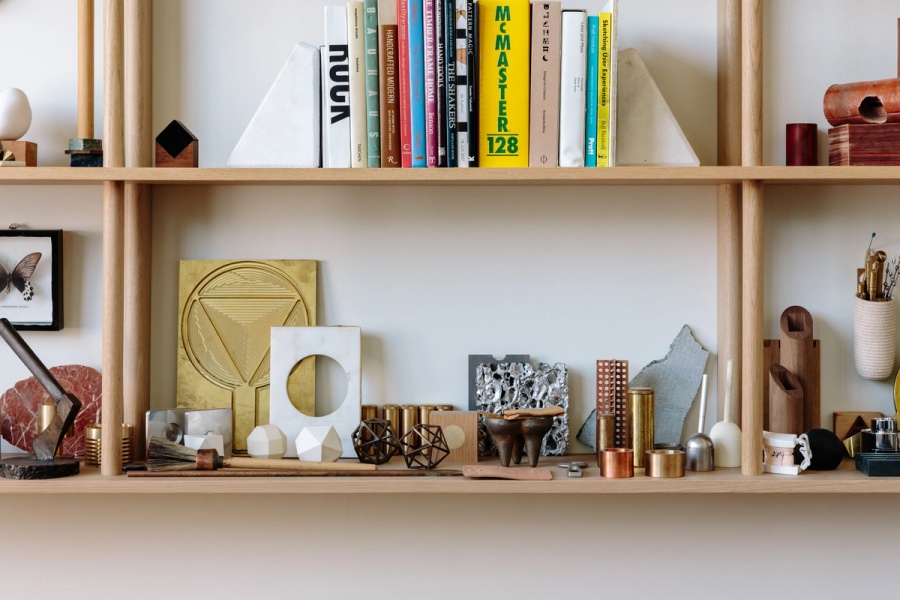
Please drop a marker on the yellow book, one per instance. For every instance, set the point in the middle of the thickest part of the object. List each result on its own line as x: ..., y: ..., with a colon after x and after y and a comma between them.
x: 604, y: 90
x: 504, y: 49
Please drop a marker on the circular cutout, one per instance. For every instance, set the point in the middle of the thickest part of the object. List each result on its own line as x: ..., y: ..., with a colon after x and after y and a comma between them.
x: 872, y: 110
x: 454, y: 436
x: 330, y: 386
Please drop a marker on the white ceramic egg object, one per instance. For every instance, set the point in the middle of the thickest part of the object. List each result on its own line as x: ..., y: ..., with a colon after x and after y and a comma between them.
x: 15, y: 114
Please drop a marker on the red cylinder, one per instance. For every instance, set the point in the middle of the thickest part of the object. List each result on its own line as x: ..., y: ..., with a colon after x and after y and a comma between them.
x: 801, y: 145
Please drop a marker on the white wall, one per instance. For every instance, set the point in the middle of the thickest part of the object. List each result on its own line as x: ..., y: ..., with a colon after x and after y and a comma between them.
x: 567, y: 274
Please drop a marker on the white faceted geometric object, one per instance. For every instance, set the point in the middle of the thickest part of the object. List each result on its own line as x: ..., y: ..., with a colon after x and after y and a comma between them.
x: 284, y: 132
x: 319, y: 443
x: 210, y: 441
x: 266, y: 441
x: 288, y: 347
x: 647, y: 131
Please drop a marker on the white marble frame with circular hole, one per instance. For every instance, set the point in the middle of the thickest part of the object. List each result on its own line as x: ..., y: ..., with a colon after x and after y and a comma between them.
x: 289, y: 346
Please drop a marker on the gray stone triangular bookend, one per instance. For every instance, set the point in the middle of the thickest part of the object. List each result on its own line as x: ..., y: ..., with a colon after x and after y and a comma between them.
x: 285, y: 130
x: 646, y: 130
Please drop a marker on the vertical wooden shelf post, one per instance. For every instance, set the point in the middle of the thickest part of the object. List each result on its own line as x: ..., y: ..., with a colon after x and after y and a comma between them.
x: 86, y: 69
x: 113, y: 216
x: 138, y: 234
x: 752, y: 199
x: 729, y: 204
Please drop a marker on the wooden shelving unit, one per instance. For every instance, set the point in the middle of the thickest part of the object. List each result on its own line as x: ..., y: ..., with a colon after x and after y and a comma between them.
x: 740, y: 187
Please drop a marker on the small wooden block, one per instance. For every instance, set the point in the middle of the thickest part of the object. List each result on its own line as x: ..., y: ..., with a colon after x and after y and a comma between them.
x: 844, y: 422
x: 495, y: 472
x: 461, y: 433
x: 860, y: 145
x: 187, y: 158
x: 23, y: 151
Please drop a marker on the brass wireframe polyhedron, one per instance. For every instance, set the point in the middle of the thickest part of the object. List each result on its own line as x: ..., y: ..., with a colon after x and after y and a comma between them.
x: 374, y: 441
x: 424, y: 446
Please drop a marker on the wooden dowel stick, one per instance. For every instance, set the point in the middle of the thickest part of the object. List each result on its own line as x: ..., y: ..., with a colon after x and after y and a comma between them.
x: 138, y: 216
x: 113, y: 218
x: 751, y: 83
x: 111, y: 440
x: 729, y: 204
x: 86, y: 68
x: 752, y: 329
x: 113, y: 68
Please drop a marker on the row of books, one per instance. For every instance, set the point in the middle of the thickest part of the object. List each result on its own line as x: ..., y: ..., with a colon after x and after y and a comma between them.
x: 466, y: 83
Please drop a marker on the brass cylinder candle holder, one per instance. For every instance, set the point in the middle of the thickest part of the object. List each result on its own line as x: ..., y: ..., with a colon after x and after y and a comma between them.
x: 392, y: 416
x: 369, y: 412
x: 639, y: 430
x: 664, y: 463
x: 606, y: 434
x: 442, y: 407
x: 409, y: 418
x: 92, y: 436
x: 617, y: 463
x: 424, y: 411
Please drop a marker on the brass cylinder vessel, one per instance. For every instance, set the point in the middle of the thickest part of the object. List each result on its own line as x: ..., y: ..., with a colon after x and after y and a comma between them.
x: 92, y: 437
x: 664, y: 463
x: 425, y: 411
x: 392, y: 416
x: 606, y: 434
x: 639, y: 422
x: 409, y: 418
x: 369, y: 411
x: 444, y: 407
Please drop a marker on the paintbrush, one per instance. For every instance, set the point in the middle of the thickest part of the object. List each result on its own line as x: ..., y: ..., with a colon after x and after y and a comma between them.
x: 164, y: 455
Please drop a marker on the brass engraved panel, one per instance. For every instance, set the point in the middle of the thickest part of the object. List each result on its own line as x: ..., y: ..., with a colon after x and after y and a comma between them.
x: 226, y: 311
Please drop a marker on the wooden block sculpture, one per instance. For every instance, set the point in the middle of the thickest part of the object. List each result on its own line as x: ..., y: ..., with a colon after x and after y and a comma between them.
x: 177, y: 147
x: 424, y: 446
x: 866, y: 119
x: 461, y: 432
x: 374, y: 441
x: 847, y: 424
x: 799, y: 353
x: 16, y: 153
x: 785, y: 401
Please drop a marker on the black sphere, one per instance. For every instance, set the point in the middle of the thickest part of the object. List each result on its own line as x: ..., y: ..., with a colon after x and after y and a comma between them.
x: 827, y: 450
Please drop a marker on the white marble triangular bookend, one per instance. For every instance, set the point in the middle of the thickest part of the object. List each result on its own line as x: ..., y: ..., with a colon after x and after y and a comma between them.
x: 647, y: 132
x: 285, y: 131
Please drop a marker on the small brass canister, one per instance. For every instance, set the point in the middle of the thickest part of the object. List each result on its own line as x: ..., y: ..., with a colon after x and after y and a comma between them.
x: 664, y: 463
x: 440, y: 407
x: 606, y: 434
x: 617, y: 463
x: 409, y: 418
x: 425, y: 411
x: 92, y: 436
x: 392, y: 416
x: 639, y: 422
x: 369, y: 411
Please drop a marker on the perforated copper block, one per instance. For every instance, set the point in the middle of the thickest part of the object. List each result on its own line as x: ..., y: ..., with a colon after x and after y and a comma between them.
x: 612, y: 393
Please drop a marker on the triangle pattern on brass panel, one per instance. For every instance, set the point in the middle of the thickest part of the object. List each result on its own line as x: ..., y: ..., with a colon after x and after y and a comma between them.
x: 249, y: 280
x: 205, y: 346
x: 244, y: 326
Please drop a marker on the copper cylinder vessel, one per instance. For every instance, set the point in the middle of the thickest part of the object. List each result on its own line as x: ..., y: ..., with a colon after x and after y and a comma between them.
x: 617, y: 463
x: 639, y: 431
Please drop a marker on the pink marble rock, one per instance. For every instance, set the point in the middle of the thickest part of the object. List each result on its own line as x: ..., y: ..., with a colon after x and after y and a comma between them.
x: 19, y: 407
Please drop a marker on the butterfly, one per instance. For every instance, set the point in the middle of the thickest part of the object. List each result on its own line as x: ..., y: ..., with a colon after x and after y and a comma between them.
x: 20, y: 276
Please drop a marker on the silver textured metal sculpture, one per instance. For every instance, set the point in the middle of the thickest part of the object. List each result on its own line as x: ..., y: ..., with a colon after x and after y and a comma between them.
x: 520, y: 385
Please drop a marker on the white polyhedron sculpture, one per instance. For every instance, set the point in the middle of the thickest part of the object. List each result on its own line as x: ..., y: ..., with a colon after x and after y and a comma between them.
x: 266, y: 441
x: 210, y: 441
x: 319, y: 443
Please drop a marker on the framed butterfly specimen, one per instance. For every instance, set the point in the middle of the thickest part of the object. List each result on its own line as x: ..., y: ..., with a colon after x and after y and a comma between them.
x: 31, y: 279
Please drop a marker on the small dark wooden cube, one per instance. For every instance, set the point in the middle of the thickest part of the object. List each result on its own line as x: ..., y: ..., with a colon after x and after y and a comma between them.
x: 176, y: 146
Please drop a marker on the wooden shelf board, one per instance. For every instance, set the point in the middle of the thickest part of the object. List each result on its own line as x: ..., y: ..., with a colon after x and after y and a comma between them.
x: 645, y: 176
x: 845, y: 480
